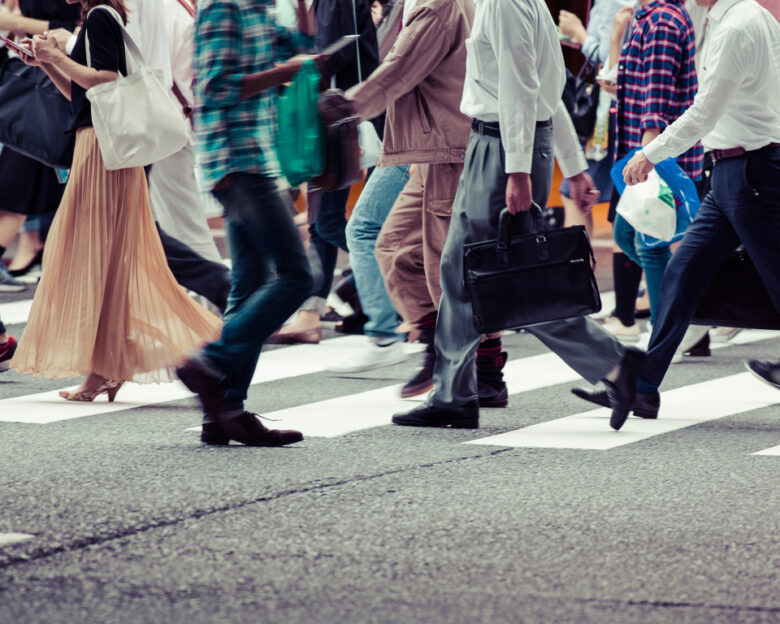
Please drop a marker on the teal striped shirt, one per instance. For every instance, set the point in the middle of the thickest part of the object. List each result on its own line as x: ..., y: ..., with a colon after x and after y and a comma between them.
x: 234, y: 38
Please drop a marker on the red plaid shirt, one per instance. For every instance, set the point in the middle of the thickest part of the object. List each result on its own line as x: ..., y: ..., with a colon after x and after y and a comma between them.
x: 657, y: 78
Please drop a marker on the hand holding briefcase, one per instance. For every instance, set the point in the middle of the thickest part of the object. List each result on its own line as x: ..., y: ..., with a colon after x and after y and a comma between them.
x: 525, y: 279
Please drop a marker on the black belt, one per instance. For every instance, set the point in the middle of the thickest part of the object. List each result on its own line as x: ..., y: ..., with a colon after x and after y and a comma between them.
x: 736, y: 152
x: 490, y: 128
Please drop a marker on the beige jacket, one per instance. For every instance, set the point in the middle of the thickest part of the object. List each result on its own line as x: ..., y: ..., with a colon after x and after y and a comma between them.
x: 420, y: 83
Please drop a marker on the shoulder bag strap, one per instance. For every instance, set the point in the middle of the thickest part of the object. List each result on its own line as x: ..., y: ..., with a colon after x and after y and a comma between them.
x: 187, y: 5
x: 129, y: 43
x: 357, y: 42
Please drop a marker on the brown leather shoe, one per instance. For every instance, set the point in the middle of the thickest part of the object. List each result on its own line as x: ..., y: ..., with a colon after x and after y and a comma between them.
x: 247, y: 429
x: 307, y: 336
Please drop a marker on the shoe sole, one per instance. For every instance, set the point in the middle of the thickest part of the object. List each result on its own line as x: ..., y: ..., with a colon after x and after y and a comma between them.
x: 13, y: 289
x: 4, y: 366
x: 454, y: 424
x: 759, y: 377
x: 364, y: 369
x: 493, y: 403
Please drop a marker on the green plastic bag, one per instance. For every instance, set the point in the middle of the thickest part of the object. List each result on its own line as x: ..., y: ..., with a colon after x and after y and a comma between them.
x: 300, y: 145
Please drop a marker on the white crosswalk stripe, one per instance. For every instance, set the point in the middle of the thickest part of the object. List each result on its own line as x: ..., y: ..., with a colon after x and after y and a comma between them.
x: 333, y: 417
x: 48, y: 407
x: 682, y: 407
x: 7, y: 539
x: 775, y: 450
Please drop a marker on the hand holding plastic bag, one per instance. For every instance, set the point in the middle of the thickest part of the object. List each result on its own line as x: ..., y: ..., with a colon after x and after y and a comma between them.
x: 649, y: 208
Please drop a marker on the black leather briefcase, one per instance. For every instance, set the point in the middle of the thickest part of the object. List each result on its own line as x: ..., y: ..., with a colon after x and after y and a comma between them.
x: 737, y: 298
x: 521, y: 280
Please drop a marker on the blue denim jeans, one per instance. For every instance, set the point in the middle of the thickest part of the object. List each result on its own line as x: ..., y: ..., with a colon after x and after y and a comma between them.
x: 270, y: 279
x: 376, y: 200
x: 652, y: 261
x: 327, y: 235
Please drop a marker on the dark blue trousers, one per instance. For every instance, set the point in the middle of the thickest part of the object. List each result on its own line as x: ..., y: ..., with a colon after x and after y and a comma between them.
x: 743, y: 206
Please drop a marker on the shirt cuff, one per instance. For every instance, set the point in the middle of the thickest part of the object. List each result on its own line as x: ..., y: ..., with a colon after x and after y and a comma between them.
x: 518, y: 162
x: 655, y: 152
x: 572, y: 165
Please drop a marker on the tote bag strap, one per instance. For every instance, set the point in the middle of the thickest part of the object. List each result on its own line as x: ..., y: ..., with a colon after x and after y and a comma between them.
x: 129, y: 43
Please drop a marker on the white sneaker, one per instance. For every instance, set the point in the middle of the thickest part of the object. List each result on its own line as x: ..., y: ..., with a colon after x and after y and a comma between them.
x: 620, y: 331
x: 693, y: 334
x: 724, y: 334
x: 370, y: 356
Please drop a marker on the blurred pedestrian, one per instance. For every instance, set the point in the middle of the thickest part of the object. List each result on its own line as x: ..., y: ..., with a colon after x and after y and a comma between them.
x: 237, y: 47
x: 107, y: 306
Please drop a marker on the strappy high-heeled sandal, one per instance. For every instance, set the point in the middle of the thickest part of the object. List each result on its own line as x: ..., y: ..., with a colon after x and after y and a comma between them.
x: 87, y: 396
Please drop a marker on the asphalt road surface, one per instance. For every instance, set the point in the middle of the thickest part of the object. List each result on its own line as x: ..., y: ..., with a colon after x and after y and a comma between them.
x: 116, y: 513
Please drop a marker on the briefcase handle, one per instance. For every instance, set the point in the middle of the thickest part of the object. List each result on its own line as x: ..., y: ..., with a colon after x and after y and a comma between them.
x: 541, y: 231
x: 505, y: 234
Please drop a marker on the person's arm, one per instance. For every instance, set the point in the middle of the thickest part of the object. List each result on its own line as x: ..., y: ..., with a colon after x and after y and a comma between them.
x: 22, y: 26
x: 566, y: 145
x: 419, y: 49
x: 48, y: 53
x: 730, y: 58
x: 662, y: 62
x: 572, y: 162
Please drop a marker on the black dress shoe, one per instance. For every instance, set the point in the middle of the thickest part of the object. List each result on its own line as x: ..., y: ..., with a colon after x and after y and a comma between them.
x: 213, y: 434
x: 200, y: 380
x: 463, y: 417
x: 622, y: 391
x: 247, y: 429
x: 645, y: 405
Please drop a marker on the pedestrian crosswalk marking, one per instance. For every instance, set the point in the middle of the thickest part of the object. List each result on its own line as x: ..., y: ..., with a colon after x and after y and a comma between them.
x: 48, y: 407
x: 680, y: 408
x: 7, y: 539
x: 775, y: 450
x: 375, y: 408
x: 16, y: 311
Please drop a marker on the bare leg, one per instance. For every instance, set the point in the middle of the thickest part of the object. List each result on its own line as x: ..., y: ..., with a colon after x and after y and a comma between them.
x: 10, y: 222
x: 29, y: 245
x: 573, y: 216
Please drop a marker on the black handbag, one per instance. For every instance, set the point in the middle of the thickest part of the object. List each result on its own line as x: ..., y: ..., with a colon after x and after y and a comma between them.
x: 737, y: 298
x: 516, y: 281
x: 581, y: 98
x: 34, y: 115
x: 342, y: 146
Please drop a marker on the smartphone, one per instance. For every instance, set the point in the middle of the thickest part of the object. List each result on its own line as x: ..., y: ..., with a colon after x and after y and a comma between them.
x: 16, y: 47
x: 338, y: 45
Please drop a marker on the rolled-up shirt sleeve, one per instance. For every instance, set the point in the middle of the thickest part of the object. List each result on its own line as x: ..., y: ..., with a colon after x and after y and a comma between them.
x: 218, y: 59
x: 518, y: 83
x: 662, y: 63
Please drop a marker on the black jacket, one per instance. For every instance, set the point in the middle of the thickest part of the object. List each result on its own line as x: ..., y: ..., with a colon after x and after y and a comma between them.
x: 334, y: 20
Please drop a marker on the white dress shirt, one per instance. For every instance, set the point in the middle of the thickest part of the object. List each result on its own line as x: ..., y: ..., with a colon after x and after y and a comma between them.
x: 146, y: 25
x: 515, y: 76
x: 738, y: 104
x: 180, y: 30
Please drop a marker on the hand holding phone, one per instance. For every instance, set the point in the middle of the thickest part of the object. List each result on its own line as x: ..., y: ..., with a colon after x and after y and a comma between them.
x: 19, y: 49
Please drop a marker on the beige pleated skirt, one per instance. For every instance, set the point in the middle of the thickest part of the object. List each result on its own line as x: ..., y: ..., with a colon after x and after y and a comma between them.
x: 107, y: 302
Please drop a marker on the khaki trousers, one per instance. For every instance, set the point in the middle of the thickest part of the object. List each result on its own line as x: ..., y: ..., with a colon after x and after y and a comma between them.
x: 412, y: 238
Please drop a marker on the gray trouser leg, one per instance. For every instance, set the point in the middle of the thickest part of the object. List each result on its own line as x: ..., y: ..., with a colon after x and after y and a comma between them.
x: 581, y: 343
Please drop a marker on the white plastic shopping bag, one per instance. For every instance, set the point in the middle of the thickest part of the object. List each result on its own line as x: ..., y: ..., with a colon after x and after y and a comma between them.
x: 650, y: 208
